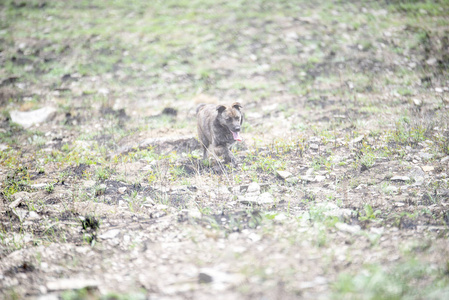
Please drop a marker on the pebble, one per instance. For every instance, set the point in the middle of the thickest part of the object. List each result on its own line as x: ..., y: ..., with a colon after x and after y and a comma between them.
x: 348, y: 228
x: 110, y: 234
x: 284, y: 174
x: 425, y: 155
x: 320, y: 178
x: 314, y: 146
x: 28, y: 118
x: 88, y: 183
x: 400, y: 178
x: 253, y: 187
x: 428, y: 168
x: 71, y: 284
x: 417, y: 102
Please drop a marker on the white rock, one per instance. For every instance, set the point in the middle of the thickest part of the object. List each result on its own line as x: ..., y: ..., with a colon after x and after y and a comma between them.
x: 308, y: 178
x: 438, y: 90
x: 254, y: 199
x: 19, y: 198
x: 122, y: 190
x: 314, y: 146
x: 71, y: 284
x: 223, y: 190
x: 425, y: 155
x: 280, y: 217
x: 357, y: 139
x: 400, y: 178
x: 88, y: 183
x: 348, y: 228
x: 110, y: 234
x: 445, y: 159
x: 219, y: 280
x: 416, y: 172
x: 428, y: 168
x: 284, y: 174
x: 377, y: 230
x: 29, y: 118
x: 391, y: 189
x: 431, y: 61
x: 417, y: 102
x: 253, y: 187
x: 33, y: 215
x: 38, y: 186
x: 265, y: 198
x: 320, y: 178
x: 340, y: 213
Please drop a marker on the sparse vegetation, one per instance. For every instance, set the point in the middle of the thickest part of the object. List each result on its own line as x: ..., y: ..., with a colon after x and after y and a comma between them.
x: 342, y: 185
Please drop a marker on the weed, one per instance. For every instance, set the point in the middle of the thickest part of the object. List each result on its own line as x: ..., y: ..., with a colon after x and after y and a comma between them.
x: 407, y: 280
x: 49, y: 188
x: 370, y: 214
x: 17, y: 180
x: 102, y: 173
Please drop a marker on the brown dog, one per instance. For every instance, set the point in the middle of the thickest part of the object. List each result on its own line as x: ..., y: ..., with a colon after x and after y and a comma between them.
x: 219, y: 128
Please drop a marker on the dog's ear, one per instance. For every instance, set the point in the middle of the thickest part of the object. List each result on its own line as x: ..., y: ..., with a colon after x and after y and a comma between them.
x: 237, y: 105
x: 220, y: 108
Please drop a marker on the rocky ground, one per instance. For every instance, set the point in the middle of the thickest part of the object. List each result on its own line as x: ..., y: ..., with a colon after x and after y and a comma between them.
x: 341, y: 190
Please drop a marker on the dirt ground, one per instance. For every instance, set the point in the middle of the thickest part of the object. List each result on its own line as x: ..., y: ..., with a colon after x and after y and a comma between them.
x: 341, y: 189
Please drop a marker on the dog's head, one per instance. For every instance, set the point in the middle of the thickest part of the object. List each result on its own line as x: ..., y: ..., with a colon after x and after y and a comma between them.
x: 231, y: 117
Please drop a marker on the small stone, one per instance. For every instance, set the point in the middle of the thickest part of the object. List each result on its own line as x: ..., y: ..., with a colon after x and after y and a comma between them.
x: 88, y: 183
x: 340, y: 213
x: 438, y: 90
x: 425, y: 155
x: 253, y: 187
x: 205, y: 278
x: 71, y: 284
x: 19, y: 198
x: 265, y: 198
x: 29, y: 118
x: 314, y: 146
x: 357, y: 139
x: 38, y: 186
x: 110, y: 234
x: 280, y: 217
x: 284, y: 174
x: 391, y: 189
x: 377, y: 230
x: 400, y: 178
x: 417, y: 102
x: 445, y: 159
x: 416, y: 172
x: 33, y: 215
x: 223, y: 190
x: 428, y: 168
x: 431, y: 61
x: 354, y: 229
x: 320, y: 178
x: 122, y: 190
x: 308, y: 178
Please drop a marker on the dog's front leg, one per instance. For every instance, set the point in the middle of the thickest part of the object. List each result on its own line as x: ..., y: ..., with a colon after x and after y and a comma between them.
x: 229, y: 157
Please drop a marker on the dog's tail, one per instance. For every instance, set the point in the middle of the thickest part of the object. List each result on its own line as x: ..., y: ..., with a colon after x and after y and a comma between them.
x: 199, y: 107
